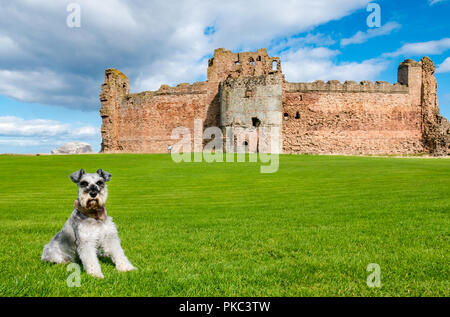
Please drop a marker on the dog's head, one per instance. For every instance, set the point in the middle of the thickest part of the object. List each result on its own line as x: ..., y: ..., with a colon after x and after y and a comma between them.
x: 92, y: 189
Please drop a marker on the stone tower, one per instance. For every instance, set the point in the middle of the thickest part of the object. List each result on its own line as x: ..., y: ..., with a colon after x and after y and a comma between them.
x: 250, y: 95
x: 419, y: 77
x: 245, y: 91
x: 226, y: 64
x: 114, y: 89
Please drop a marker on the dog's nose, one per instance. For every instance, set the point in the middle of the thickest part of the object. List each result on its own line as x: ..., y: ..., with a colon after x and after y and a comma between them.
x: 93, y: 194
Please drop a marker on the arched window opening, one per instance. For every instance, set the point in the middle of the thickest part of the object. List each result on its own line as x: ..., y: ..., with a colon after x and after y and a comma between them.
x: 274, y: 65
x: 252, y: 62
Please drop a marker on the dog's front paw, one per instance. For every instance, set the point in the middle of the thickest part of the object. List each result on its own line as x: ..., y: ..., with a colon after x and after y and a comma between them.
x: 96, y: 274
x: 125, y: 267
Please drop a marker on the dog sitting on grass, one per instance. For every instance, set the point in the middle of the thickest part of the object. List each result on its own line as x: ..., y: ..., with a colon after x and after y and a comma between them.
x: 89, y: 230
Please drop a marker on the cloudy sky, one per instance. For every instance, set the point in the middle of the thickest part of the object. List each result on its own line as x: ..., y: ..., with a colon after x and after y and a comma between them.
x: 50, y: 73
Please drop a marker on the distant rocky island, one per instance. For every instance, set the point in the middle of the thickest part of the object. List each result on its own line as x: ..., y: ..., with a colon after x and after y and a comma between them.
x: 75, y: 147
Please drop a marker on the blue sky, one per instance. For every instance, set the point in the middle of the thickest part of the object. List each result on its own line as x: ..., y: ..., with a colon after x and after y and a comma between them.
x: 50, y: 74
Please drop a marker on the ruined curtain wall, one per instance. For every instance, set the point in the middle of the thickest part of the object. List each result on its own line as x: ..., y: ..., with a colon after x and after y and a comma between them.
x: 143, y: 123
x: 350, y: 118
x: 317, y: 118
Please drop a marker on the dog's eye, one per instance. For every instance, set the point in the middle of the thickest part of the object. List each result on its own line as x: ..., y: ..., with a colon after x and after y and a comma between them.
x: 83, y: 184
x: 99, y: 183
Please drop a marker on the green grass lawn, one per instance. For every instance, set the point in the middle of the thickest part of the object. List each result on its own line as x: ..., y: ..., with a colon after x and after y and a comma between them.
x: 225, y: 229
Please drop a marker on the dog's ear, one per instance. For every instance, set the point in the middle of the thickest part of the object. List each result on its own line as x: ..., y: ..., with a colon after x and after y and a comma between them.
x: 106, y: 176
x: 76, y: 176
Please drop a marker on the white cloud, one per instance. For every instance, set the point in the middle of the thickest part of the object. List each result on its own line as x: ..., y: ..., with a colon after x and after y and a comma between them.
x: 431, y: 2
x: 319, y: 39
x: 292, y: 43
x: 361, y: 37
x: 309, y: 64
x: 29, y: 85
x: 14, y: 126
x: 23, y: 142
x: 444, y: 67
x: 20, y: 132
x: 152, y: 42
x: 9, y: 48
x: 49, y: 87
x: 24, y: 136
x: 422, y: 48
x: 86, y: 131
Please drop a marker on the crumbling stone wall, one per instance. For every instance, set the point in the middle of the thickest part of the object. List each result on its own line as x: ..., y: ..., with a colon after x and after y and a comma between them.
x: 143, y: 122
x: 247, y: 106
x: 113, y: 92
x: 350, y: 118
x: 435, y: 128
x: 226, y: 64
x: 366, y: 118
x: 318, y: 117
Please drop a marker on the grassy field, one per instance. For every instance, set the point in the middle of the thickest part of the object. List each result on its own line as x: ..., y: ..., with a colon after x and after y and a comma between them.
x: 225, y: 229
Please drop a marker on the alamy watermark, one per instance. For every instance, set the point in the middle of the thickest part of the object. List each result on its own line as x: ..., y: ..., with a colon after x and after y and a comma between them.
x: 261, y: 143
x: 74, y: 279
x: 374, y: 18
x: 374, y: 278
x: 73, y: 19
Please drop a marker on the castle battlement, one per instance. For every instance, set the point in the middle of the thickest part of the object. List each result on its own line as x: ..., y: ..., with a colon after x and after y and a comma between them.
x: 348, y: 86
x: 248, y: 89
x: 226, y: 64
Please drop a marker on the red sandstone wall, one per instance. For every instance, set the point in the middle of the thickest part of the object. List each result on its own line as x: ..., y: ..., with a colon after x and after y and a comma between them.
x: 321, y: 118
x: 245, y: 64
x: 350, y: 123
x: 144, y: 121
x: 147, y: 120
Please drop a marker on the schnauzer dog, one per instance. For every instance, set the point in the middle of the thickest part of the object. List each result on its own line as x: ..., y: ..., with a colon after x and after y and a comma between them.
x: 88, y: 231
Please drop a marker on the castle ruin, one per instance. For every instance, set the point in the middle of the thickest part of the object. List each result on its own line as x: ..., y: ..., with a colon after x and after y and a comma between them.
x: 248, y: 90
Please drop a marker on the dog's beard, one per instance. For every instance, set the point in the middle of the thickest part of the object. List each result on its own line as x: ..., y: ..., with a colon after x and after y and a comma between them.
x: 90, y: 203
x: 91, y: 207
x: 93, y: 204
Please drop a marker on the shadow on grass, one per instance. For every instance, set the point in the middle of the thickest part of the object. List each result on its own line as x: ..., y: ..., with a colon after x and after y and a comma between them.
x: 106, y: 260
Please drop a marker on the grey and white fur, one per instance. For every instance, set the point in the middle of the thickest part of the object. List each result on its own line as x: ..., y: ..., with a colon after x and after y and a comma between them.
x: 88, y: 232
